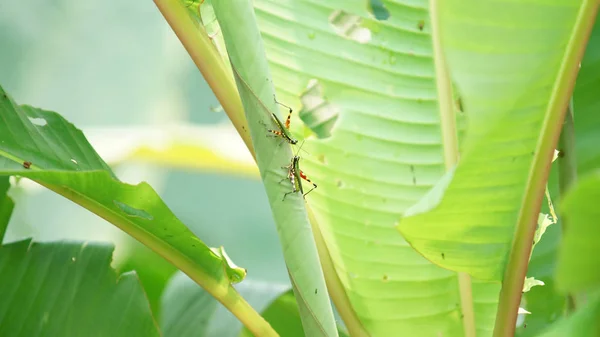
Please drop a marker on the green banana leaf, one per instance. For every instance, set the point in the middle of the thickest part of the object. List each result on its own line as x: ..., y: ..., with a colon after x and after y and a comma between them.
x: 515, y: 93
x: 366, y: 89
x: 69, y: 289
x: 44, y: 147
x: 385, y: 152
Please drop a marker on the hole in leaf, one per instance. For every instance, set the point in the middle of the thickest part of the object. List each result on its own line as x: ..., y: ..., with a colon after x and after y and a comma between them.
x: 133, y: 212
x: 377, y: 8
x: 349, y: 26
x: 318, y: 114
x: 38, y: 121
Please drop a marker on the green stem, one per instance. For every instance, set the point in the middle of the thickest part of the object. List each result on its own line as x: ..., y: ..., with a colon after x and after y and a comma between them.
x: 209, y: 62
x: 450, y: 142
x: 518, y: 260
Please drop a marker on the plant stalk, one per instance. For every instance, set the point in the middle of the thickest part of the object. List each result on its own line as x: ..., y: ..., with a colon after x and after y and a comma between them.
x: 196, y: 42
x: 518, y: 260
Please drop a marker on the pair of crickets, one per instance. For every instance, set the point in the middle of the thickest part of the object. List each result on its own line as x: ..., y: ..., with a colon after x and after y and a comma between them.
x: 295, y: 175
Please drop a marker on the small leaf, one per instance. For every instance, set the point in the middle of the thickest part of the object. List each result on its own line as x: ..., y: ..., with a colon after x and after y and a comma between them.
x: 531, y: 282
x: 234, y: 273
x: 544, y: 220
x: 523, y: 312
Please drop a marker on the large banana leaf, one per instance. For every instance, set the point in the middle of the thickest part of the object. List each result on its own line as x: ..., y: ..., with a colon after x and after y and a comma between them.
x: 384, y: 152
x: 69, y: 289
x: 382, y: 156
x: 516, y: 76
x: 44, y: 147
x: 515, y: 93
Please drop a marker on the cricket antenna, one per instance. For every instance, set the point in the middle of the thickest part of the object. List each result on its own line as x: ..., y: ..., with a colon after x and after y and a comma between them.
x: 283, y: 105
x: 300, y: 148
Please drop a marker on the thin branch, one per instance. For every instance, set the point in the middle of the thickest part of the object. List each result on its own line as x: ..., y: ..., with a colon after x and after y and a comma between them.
x: 451, y: 155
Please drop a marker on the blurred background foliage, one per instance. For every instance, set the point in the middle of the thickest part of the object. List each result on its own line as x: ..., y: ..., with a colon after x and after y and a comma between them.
x: 117, y: 71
